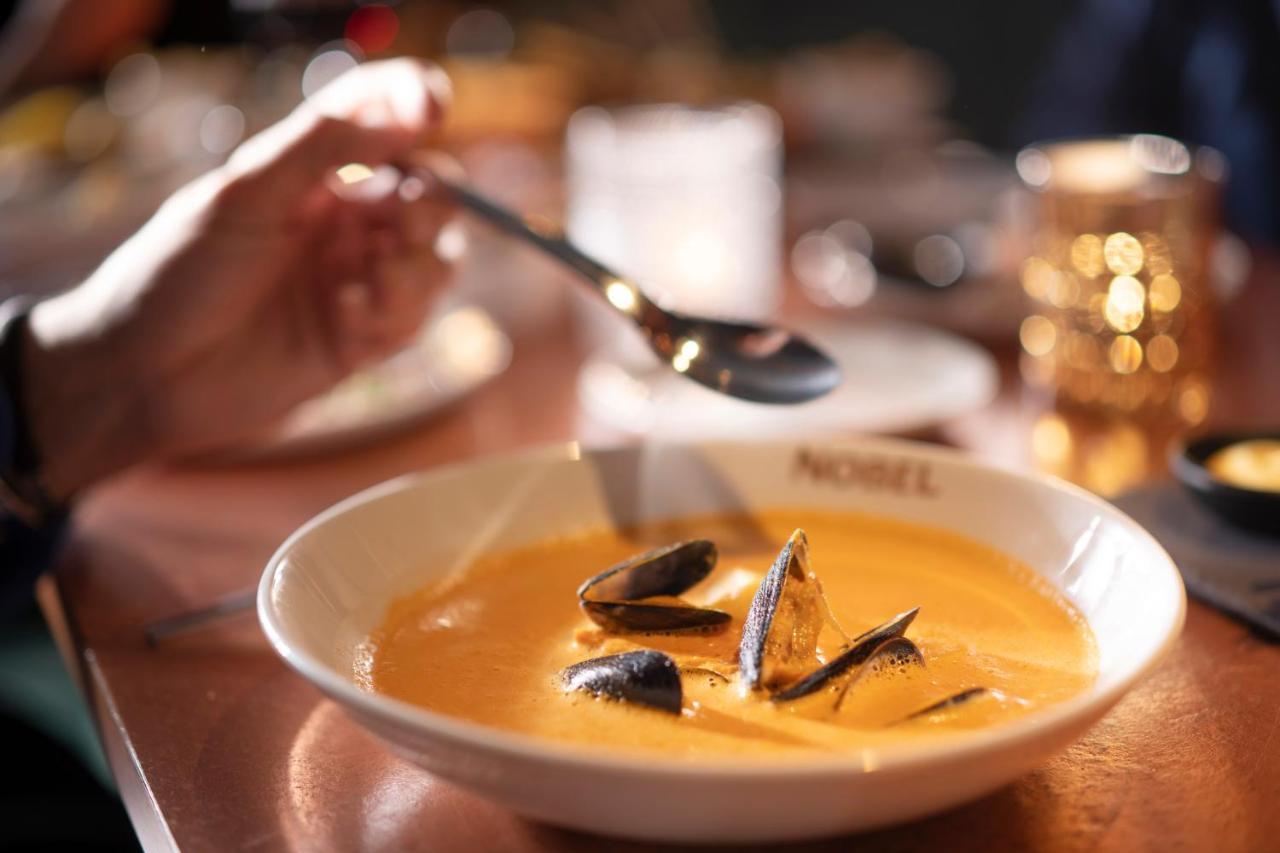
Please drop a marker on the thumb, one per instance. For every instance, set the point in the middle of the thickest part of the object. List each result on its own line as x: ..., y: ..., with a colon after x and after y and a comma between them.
x: 372, y: 114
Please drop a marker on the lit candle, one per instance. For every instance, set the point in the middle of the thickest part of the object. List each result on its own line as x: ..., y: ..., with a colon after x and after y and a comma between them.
x: 1123, y: 314
x: 685, y: 201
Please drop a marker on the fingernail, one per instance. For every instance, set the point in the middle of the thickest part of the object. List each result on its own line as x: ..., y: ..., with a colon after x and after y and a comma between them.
x: 358, y: 182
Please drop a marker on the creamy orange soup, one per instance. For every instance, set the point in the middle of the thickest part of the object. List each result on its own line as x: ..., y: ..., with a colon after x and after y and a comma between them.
x: 489, y: 644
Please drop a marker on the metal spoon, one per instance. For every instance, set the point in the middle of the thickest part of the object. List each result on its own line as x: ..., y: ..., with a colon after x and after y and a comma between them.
x: 764, y: 364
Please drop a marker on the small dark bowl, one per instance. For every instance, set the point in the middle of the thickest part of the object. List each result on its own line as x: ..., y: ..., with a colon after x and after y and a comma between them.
x: 1251, y: 509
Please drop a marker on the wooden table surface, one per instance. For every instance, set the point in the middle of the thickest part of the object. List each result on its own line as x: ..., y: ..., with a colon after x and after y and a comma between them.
x: 217, y: 746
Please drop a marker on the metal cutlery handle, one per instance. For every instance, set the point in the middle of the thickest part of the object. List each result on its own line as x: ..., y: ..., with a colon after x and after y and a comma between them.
x: 241, y: 601
x: 512, y: 223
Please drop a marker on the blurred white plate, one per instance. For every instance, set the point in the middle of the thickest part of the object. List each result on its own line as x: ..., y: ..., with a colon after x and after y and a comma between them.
x: 898, y: 378
x: 454, y: 355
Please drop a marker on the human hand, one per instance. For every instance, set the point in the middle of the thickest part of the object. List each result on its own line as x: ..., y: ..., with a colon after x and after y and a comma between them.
x: 252, y: 289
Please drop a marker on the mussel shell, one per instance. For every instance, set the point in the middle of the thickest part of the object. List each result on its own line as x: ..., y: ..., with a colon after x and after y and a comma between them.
x: 787, y: 613
x: 624, y: 616
x: 645, y: 677
x: 608, y: 598
x: 669, y: 570
x: 859, y: 652
x: 897, y: 652
x: 950, y: 702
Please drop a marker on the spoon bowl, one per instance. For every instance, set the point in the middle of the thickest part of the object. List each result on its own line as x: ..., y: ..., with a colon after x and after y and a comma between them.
x: 752, y: 362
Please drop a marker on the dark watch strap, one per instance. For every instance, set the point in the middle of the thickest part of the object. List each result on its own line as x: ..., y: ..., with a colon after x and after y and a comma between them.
x: 20, y: 488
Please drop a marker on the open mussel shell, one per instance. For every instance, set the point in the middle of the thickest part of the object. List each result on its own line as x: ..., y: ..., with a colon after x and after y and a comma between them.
x: 613, y: 599
x: 644, y: 677
x: 896, y: 653
x: 780, y: 633
x: 859, y: 652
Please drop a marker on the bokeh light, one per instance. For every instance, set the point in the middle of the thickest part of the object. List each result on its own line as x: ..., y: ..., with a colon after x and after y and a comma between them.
x: 831, y: 272
x: 1123, y: 253
x: 1165, y: 293
x: 1124, y: 306
x: 1193, y: 400
x: 1051, y: 441
x: 480, y: 32
x: 132, y: 85
x: 1038, y: 275
x: 1064, y: 290
x: 1116, y: 460
x: 90, y: 130
x: 1037, y: 335
x: 1125, y: 354
x: 1086, y: 255
x: 373, y: 28
x: 328, y: 64
x: 939, y: 260
x: 1162, y: 353
x: 221, y: 129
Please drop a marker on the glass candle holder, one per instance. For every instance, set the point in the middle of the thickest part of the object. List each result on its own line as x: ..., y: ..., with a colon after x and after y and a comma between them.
x: 1123, y: 313
x: 686, y: 201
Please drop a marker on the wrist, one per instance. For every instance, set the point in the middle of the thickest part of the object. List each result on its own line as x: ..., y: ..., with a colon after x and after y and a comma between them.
x: 81, y: 403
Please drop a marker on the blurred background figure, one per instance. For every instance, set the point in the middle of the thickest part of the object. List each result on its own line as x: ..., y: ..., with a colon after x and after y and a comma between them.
x: 1203, y: 72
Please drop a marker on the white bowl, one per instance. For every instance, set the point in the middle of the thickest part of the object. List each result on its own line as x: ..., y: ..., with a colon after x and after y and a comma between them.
x: 331, y: 582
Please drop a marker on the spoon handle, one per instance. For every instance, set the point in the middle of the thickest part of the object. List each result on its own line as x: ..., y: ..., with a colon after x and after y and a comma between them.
x: 592, y: 270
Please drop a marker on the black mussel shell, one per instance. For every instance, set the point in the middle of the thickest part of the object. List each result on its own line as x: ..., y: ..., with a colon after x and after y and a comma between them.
x: 613, y: 598
x: 624, y: 616
x: 950, y: 702
x: 896, y: 653
x: 899, y: 652
x: 669, y: 570
x: 645, y: 677
x: 781, y: 630
x: 860, y: 650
